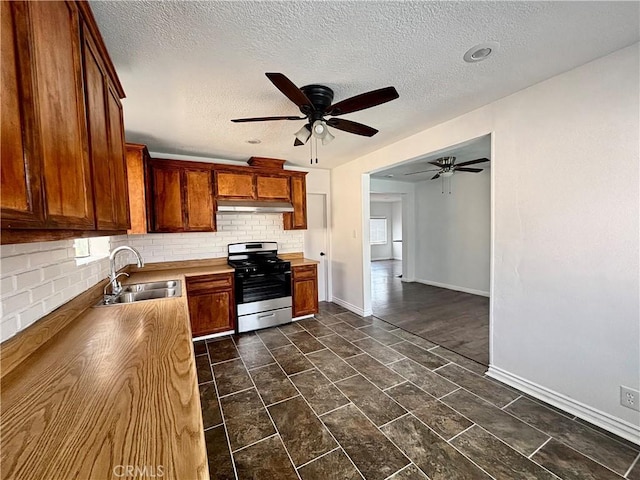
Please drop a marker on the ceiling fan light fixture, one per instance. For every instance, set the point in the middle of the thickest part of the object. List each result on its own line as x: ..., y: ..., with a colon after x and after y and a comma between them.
x: 319, y: 129
x: 303, y: 134
x: 328, y: 138
x: 446, y: 174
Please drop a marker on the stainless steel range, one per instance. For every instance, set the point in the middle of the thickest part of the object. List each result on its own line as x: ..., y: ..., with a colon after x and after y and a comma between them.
x: 262, y: 285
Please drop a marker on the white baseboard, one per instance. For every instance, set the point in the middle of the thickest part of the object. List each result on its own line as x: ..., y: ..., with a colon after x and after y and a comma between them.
x: 453, y: 287
x: 592, y: 415
x: 351, y: 307
x: 381, y: 259
x: 302, y: 317
x: 213, y: 335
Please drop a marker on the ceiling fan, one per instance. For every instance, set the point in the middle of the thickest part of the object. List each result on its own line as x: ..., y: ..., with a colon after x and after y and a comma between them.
x: 447, y: 166
x: 315, y: 103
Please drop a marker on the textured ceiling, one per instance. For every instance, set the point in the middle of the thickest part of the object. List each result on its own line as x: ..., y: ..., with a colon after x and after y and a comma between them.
x: 470, y: 150
x: 190, y: 67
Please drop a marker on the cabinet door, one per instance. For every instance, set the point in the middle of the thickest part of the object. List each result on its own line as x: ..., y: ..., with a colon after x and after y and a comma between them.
x: 273, y: 187
x: 106, y: 144
x: 305, y: 297
x: 166, y: 199
x: 235, y: 185
x: 200, y: 213
x: 20, y: 194
x: 212, y: 307
x: 137, y: 157
x: 305, y: 290
x: 117, y: 160
x: 298, y: 219
x: 97, y: 121
x: 66, y: 172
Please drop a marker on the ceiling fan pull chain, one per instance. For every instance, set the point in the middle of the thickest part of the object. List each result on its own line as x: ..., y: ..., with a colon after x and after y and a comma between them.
x: 450, y: 185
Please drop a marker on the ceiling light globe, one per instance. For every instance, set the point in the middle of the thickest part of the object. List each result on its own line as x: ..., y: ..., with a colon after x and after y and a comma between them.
x: 319, y: 129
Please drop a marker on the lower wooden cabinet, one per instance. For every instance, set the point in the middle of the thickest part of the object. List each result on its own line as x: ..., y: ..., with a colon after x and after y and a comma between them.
x: 212, y: 307
x: 304, y: 279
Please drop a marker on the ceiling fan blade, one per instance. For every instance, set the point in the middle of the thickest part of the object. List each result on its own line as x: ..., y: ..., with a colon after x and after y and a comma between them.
x: 297, y: 143
x: 423, y: 171
x: 352, y: 127
x: 362, y: 101
x: 265, y: 119
x: 289, y: 89
x: 472, y: 162
x: 472, y: 170
x: 436, y: 163
x: 437, y: 175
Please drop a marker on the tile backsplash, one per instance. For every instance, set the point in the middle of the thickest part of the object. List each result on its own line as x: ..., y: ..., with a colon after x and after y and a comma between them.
x: 232, y: 228
x: 36, y: 278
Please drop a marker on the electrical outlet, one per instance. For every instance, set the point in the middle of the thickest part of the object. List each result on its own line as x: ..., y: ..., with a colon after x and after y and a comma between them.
x: 630, y: 398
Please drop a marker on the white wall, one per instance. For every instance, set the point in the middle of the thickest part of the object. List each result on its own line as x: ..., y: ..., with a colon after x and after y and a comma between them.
x: 564, y: 306
x: 382, y: 209
x: 396, y: 230
x: 454, y: 232
x: 36, y: 278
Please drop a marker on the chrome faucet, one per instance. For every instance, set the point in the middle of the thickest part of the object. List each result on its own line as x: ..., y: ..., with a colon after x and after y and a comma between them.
x: 116, y: 287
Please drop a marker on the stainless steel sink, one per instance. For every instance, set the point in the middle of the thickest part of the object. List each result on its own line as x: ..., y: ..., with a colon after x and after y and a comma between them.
x: 141, y: 287
x: 137, y: 292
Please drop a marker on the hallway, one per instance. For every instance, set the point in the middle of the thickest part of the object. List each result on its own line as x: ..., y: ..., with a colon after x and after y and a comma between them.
x: 456, y: 320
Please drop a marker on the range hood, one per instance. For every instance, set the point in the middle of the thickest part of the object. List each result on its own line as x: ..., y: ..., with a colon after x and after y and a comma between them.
x: 252, y: 206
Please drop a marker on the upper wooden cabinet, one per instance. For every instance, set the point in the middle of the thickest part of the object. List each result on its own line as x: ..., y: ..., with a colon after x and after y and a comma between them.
x: 273, y: 187
x: 20, y: 186
x: 106, y: 143
x: 137, y: 156
x: 298, y: 219
x: 179, y: 197
x: 62, y: 134
x: 235, y: 185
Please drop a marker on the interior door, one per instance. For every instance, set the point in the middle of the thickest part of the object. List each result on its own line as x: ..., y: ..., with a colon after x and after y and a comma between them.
x: 316, y: 239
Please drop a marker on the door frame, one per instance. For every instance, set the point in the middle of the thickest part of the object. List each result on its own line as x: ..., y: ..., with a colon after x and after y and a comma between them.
x: 327, y: 243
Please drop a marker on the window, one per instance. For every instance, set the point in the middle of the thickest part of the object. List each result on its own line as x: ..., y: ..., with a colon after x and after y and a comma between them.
x: 378, y: 231
x: 91, y: 249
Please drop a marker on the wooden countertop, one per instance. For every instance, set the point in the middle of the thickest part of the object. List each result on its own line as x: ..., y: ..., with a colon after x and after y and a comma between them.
x: 116, y: 387
x: 297, y: 259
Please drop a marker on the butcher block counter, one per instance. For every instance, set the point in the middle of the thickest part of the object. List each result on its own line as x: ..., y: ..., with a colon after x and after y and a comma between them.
x: 114, y: 389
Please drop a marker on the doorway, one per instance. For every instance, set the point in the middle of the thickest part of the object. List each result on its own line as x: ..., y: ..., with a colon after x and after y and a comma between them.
x: 316, y: 244
x: 445, y: 299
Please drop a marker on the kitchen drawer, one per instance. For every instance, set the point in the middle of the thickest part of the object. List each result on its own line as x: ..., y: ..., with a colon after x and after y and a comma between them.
x: 208, y: 283
x: 304, y: 271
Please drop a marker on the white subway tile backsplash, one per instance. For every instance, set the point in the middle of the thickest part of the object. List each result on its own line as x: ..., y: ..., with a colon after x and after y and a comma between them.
x: 161, y: 247
x: 15, y: 303
x: 8, y: 327
x: 29, y: 279
x: 30, y: 315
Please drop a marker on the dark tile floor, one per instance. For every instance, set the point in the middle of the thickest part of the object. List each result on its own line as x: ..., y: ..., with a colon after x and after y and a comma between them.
x: 456, y: 320
x: 344, y: 397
